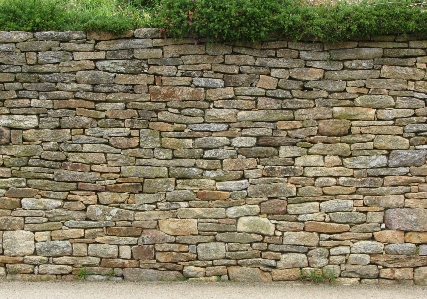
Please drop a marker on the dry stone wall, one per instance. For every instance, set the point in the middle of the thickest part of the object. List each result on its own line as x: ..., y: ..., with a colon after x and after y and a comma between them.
x: 141, y: 158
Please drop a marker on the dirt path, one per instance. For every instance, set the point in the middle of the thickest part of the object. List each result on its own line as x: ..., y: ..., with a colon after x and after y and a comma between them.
x: 222, y: 290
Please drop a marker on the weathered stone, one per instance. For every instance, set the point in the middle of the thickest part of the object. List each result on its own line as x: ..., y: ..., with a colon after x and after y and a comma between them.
x: 400, y: 158
x: 303, y: 208
x: 398, y: 72
x: 390, y: 201
x: 420, y: 276
x: 286, y: 274
x: 54, y: 248
x: 348, y: 217
x: 322, y: 227
x: 246, y: 210
x: 103, y: 250
x: 375, y: 101
x: 354, y: 113
x: 248, y: 274
x: 195, y: 213
x: 406, y: 219
x: 334, y: 127
x: 363, y: 271
x: 178, y: 227
x: 274, y: 206
x: 391, y: 142
x: 253, y: 224
x: 365, y: 162
x: 103, y: 213
x: 234, y: 237
x: 272, y: 190
x: 40, y: 203
x: 367, y: 247
x: 337, y: 149
x: 135, y: 274
x: 11, y: 223
x: 211, y: 251
x: 301, y: 238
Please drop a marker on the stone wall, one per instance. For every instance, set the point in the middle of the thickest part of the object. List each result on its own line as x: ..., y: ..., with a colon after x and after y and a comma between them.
x: 141, y: 158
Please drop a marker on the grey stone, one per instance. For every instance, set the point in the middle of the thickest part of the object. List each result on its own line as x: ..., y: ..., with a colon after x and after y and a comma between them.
x: 360, y: 271
x: 318, y: 257
x: 40, y: 203
x: 18, y: 243
x: 365, y: 162
x: 248, y: 274
x: 208, y: 82
x: 211, y: 251
x: 348, y: 217
x: 367, y: 247
x: 301, y: 238
x: 400, y: 158
x: 406, y: 219
x: 246, y: 210
x: 405, y: 249
x: 252, y: 224
x: 232, y: 185
x: 292, y: 260
x: 136, y: 274
x: 336, y: 206
x: 272, y: 190
x: 54, y: 248
x: 375, y: 101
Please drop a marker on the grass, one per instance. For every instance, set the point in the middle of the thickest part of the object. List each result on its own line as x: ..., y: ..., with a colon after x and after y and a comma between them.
x: 317, y: 276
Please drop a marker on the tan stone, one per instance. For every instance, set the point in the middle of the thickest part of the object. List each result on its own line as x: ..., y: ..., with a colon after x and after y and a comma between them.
x: 390, y: 236
x: 416, y: 237
x: 306, y: 73
x: 323, y: 227
x: 286, y: 274
x: 178, y: 227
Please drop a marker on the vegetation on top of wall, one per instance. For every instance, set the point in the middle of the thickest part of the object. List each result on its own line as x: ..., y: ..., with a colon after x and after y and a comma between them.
x: 223, y: 20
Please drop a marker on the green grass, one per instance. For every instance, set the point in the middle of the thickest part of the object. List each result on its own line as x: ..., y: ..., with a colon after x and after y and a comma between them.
x: 317, y: 276
x: 223, y: 20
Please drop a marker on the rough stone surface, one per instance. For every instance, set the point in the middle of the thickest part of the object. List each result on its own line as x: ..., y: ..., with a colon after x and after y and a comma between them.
x: 165, y: 160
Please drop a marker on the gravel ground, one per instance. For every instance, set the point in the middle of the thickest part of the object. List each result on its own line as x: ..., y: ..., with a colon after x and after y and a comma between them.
x: 189, y: 290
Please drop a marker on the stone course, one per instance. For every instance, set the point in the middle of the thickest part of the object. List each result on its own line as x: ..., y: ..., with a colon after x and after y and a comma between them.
x: 141, y: 158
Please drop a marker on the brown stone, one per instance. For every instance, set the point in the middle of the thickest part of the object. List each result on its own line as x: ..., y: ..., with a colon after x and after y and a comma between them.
x: 334, y: 127
x: 398, y: 261
x: 174, y: 257
x: 212, y: 195
x: 286, y: 274
x: 145, y: 252
x: 170, y: 93
x: 323, y: 227
x: 274, y: 206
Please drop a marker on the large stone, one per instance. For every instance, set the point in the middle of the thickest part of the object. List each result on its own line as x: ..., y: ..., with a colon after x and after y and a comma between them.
x: 368, y: 247
x: 334, y: 127
x: 362, y: 271
x: 19, y: 121
x: 170, y: 93
x: 18, y: 243
x: 54, y: 248
x: 420, y: 276
x: 292, y: 260
x: 390, y: 142
x: 336, y: 149
x: 178, y: 227
x: 253, y: 224
x: 365, y: 162
x: 272, y: 190
x: 211, y: 251
x: 40, y: 203
x: 400, y: 158
x: 375, y: 101
x: 406, y: 219
x: 301, y: 238
x: 246, y: 274
x: 103, y: 250
x: 136, y: 274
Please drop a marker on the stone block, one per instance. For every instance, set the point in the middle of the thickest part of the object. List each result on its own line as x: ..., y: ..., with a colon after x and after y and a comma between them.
x: 178, y: 227
x: 211, y: 251
x: 54, y: 248
x: 301, y: 238
x: 406, y: 219
x: 18, y: 243
x: 246, y: 274
x: 251, y: 224
x: 103, y: 250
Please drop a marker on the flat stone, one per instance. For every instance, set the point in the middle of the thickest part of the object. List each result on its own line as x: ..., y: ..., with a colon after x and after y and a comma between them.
x: 54, y: 248
x: 365, y: 162
x: 40, y: 203
x: 234, y: 237
x: 321, y: 227
x: 348, y: 217
x: 103, y: 250
x: 337, y: 149
x: 272, y: 190
x: 368, y: 247
x: 406, y: 219
x: 248, y: 274
x: 375, y: 101
x: 245, y: 210
x: 211, y: 251
x: 362, y: 271
x: 334, y: 127
x: 253, y: 224
x: 178, y: 227
x: 391, y: 142
x: 11, y: 223
x: 301, y: 238
x: 136, y: 274
x: 400, y: 158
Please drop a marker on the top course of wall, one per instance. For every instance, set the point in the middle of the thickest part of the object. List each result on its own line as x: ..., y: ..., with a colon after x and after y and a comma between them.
x: 141, y: 158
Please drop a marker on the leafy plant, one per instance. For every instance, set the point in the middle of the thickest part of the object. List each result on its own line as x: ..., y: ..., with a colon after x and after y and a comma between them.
x: 82, y: 273
x: 317, y: 276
